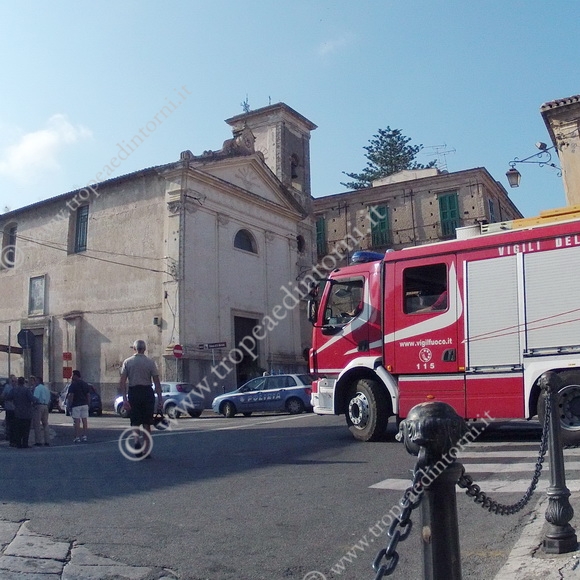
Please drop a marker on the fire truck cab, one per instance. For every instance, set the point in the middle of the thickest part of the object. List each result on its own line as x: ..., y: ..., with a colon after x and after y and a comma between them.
x: 473, y: 322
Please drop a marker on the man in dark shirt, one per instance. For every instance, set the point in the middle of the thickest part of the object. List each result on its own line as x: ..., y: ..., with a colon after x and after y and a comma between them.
x: 9, y: 410
x: 23, y: 401
x: 78, y: 399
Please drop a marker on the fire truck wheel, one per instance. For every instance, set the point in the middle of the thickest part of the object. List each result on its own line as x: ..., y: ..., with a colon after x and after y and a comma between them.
x: 568, y: 408
x: 228, y: 409
x: 367, y: 414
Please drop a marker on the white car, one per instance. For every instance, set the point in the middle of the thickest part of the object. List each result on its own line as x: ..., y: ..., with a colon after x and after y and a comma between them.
x: 178, y: 399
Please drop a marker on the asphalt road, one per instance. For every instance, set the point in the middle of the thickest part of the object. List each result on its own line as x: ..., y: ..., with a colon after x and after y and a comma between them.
x: 261, y: 498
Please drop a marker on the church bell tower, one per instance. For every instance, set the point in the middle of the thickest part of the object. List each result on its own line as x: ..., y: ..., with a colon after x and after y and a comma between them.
x: 283, y: 137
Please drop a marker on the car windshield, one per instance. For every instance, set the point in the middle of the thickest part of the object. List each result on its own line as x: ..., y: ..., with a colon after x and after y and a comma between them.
x: 256, y: 384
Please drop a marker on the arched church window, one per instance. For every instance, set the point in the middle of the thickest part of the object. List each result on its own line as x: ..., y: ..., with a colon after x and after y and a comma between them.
x: 244, y: 240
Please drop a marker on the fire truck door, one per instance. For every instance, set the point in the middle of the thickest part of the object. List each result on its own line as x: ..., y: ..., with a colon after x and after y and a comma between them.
x: 426, y: 310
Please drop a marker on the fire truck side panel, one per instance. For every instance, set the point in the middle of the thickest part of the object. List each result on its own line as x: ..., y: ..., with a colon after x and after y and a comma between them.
x: 495, y: 395
x: 494, y: 337
x: 492, y: 314
x: 415, y: 389
x: 552, y: 282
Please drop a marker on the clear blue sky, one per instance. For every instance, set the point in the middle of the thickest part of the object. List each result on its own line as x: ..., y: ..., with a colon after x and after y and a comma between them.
x: 80, y: 77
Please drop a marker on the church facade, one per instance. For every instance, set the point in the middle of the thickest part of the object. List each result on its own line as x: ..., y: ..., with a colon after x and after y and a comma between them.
x: 200, y: 253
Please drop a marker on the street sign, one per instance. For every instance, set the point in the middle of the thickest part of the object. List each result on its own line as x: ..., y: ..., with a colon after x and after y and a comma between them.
x: 67, y: 356
x: 177, y: 351
x: 25, y: 338
x: 67, y: 372
x: 13, y: 349
x: 211, y: 345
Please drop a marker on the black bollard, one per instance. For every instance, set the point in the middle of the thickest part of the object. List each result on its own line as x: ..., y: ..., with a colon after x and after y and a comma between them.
x: 431, y: 431
x: 560, y: 538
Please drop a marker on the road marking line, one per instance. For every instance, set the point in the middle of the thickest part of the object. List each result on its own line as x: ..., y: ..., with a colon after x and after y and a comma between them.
x: 504, y: 444
x: 513, y: 467
x: 488, y: 486
x: 517, y: 454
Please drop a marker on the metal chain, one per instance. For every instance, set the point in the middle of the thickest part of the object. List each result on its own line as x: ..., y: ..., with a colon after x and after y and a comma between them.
x: 395, y: 535
x: 474, y: 491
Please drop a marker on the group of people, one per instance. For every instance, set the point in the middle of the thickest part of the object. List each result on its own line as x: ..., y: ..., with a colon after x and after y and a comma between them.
x: 26, y: 405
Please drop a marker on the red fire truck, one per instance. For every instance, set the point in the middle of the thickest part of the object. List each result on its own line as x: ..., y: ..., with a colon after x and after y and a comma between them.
x: 473, y: 322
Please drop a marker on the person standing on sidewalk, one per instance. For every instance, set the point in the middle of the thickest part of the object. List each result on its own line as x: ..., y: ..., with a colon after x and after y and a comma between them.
x: 137, y: 374
x: 40, y: 419
x: 23, y: 401
x: 9, y: 410
x: 78, y: 399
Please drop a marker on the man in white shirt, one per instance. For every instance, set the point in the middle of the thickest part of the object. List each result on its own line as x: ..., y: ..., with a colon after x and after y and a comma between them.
x: 40, y: 418
x: 137, y: 374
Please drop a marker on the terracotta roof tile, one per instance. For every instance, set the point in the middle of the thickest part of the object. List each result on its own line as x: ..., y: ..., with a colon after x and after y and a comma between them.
x: 559, y: 103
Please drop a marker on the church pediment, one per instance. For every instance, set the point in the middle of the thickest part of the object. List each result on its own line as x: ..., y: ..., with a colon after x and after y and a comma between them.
x: 251, y: 174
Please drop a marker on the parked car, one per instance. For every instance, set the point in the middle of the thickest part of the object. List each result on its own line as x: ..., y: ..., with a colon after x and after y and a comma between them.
x: 273, y: 393
x: 178, y: 398
x: 95, y: 404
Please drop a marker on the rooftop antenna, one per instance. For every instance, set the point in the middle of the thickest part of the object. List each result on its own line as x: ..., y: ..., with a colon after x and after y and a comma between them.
x: 245, y: 104
x: 440, y: 153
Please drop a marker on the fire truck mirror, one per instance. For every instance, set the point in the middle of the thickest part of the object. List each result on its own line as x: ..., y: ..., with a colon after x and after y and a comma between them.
x: 312, y: 311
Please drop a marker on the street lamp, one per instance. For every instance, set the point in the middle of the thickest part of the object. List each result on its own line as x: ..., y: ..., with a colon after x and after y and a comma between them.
x: 513, y: 176
x: 543, y: 157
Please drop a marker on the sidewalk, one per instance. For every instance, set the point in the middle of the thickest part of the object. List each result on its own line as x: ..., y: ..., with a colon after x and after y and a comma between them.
x: 25, y: 555
x: 527, y: 560
x: 28, y: 556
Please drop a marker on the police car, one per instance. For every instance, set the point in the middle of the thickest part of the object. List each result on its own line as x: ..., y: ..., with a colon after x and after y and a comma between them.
x: 274, y: 393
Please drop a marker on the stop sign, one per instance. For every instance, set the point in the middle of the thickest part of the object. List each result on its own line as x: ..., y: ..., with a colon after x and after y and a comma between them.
x: 25, y: 338
x: 177, y: 351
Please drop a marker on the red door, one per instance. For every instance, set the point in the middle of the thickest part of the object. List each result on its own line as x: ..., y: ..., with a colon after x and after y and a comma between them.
x: 426, y: 314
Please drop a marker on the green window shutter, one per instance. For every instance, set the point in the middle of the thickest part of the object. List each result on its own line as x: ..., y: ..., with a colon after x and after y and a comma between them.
x: 491, y: 206
x: 321, y: 236
x: 380, y: 235
x: 449, y: 214
x: 81, y: 228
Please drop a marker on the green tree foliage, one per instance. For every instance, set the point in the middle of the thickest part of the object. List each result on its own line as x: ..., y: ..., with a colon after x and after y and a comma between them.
x: 388, y: 152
